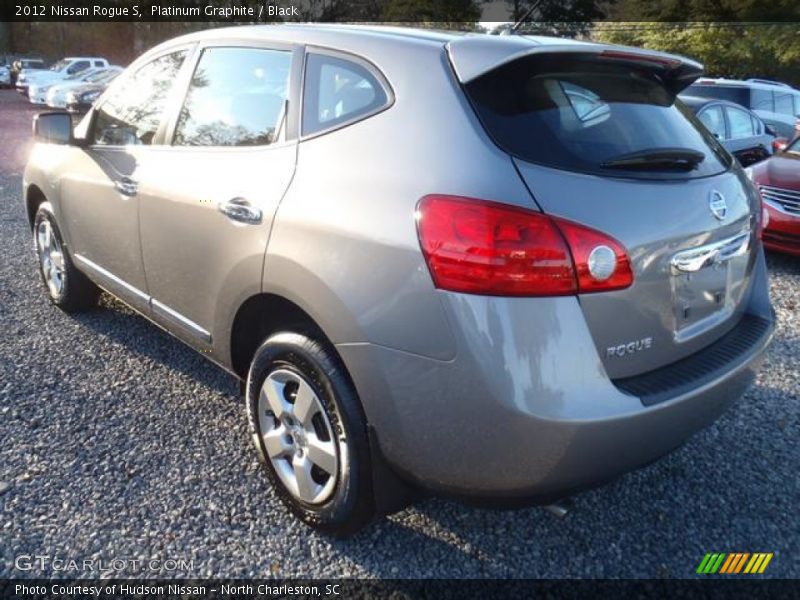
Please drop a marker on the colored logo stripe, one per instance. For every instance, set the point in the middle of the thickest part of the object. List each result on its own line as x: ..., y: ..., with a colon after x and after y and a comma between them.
x: 710, y: 563
x: 734, y: 562
x: 758, y: 563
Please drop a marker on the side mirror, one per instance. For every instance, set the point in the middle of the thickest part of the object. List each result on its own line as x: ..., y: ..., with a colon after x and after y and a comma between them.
x: 779, y: 144
x: 53, y: 128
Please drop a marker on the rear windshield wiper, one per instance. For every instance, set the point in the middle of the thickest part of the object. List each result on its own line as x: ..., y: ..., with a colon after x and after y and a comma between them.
x: 680, y: 159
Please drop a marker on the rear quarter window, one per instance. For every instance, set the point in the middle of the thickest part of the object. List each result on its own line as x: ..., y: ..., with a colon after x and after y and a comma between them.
x: 576, y: 113
x: 338, y: 91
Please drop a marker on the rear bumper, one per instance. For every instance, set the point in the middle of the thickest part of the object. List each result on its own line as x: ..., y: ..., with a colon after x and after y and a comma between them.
x: 528, y: 413
x: 782, y: 233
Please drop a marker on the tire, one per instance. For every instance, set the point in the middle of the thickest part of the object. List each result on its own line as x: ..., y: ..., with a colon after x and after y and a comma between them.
x: 291, y: 366
x: 75, y: 292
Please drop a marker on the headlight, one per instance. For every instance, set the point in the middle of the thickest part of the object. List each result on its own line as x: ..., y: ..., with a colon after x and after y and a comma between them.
x: 90, y: 96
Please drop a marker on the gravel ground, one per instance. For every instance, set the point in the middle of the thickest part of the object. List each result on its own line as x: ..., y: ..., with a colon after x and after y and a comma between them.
x: 117, y: 442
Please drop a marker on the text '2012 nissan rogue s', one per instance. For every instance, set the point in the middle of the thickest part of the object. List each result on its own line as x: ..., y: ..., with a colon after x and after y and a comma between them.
x: 502, y: 268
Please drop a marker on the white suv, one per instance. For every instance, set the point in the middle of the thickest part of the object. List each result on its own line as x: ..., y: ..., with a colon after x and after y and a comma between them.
x: 61, y: 70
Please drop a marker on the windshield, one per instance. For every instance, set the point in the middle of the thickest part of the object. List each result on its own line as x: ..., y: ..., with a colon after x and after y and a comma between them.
x: 582, y: 114
x: 98, y: 76
x: 79, y: 76
x: 794, y: 147
x: 59, y: 65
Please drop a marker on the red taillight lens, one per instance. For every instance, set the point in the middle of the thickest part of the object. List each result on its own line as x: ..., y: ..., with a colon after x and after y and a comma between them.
x: 481, y: 247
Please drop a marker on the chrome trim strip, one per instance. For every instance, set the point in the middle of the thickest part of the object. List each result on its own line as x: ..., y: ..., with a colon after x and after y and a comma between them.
x: 179, y: 319
x: 107, y: 275
x: 781, y: 207
x: 782, y: 200
x: 694, y: 259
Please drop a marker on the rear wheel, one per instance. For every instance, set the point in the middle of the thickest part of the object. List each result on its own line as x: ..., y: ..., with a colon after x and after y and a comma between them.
x: 68, y: 288
x: 310, y: 431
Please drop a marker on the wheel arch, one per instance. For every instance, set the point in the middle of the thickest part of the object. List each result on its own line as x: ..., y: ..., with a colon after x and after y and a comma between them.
x: 261, y: 316
x: 34, y: 197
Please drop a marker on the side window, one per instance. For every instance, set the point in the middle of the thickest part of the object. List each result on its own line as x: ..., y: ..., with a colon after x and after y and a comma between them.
x: 784, y: 103
x: 712, y: 118
x: 338, y: 90
x: 98, y: 63
x: 133, y: 111
x: 77, y: 66
x: 761, y: 100
x: 740, y: 123
x: 796, y: 104
x: 236, y: 98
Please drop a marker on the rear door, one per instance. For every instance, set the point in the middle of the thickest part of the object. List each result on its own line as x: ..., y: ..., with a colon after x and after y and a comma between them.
x: 208, y: 198
x: 746, y: 139
x: 687, y: 224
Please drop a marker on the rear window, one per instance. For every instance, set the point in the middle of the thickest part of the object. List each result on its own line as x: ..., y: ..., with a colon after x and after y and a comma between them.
x: 738, y: 94
x: 577, y: 113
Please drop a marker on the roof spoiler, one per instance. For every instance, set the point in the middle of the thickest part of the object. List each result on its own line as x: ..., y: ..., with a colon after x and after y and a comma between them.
x: 474, y: 56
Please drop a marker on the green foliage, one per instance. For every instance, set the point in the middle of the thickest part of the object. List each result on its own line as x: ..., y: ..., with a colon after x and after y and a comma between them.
x: 732, y: 38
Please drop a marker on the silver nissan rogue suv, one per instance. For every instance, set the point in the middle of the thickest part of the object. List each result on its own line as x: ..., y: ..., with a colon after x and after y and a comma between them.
x: 501, y: 268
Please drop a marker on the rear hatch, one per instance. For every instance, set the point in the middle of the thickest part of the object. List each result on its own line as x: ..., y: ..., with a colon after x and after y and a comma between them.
x: 598, y: 138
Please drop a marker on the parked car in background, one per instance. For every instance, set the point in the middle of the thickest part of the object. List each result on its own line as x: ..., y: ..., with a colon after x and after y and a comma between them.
x: 59, y: 71
x: 5, y: 74
x: 778, y: 180
x: 56, y: 95
x: 25, y: 63
x: 37, y: 92
x: 740, y: 131
x: 777, y: 104
x: 551, y: 276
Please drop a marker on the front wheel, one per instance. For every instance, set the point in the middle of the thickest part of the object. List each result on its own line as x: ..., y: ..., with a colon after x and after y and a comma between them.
x: 68, y: 288
x: 309, y: 429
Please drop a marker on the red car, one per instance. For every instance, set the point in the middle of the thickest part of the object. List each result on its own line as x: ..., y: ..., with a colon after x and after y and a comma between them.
x: 778, y: 179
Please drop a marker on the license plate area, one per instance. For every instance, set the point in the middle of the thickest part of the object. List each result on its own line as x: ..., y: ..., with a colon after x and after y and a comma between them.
x: 705, y: 284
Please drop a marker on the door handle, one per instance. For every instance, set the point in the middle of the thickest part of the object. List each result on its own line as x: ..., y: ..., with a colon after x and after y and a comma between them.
x: 239, y: 209
x: 126, y: 186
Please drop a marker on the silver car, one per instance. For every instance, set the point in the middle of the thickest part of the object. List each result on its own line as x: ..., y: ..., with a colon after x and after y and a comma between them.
x: 498, y: 268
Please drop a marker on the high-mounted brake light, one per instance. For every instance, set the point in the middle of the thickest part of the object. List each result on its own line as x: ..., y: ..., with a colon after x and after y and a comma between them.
x: 481, y: 247
x: 670, y: 63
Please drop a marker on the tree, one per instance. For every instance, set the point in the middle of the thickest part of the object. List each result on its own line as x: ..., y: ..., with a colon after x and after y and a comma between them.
x: 557, y: 17
x: 735, y: 50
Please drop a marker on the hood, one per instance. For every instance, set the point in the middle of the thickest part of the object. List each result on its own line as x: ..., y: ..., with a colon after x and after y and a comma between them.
x: 87, y: 87
x: 782, y: 170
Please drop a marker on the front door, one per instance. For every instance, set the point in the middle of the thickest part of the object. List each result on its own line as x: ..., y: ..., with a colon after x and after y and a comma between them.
x: 100, y: 197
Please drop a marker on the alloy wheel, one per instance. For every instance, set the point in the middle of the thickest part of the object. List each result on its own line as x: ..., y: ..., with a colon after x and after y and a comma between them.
x: 298, y: 436
x: 51, y: 257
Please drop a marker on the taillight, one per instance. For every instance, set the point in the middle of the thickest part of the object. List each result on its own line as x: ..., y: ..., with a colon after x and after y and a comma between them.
x: 480, y: 247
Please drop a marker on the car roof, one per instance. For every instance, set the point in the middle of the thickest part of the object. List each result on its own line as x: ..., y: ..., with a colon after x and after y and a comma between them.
x: 761, y: 85
x: 335, y: 34
x: 472, y: 53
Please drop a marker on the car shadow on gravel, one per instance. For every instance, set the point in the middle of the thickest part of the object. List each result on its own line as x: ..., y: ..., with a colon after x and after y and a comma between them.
x: 660, y: 512
x: 120, y: 324
x: 784, y: 262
